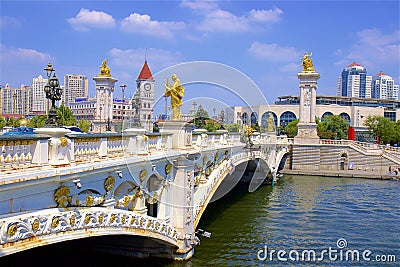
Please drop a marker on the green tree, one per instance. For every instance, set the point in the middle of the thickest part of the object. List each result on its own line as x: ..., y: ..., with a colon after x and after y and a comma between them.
x: 37, y: 121
x: 291, y: 128
x: 233, y: 128
x: 212, y: 126
x: 333, y: 127
x: 397, y: 132
x: 66, y: 116
x: 2, y: 122
x: 84, y: 125
x: 256, y: 127
x: 382, y: 128
x: 200, y: 118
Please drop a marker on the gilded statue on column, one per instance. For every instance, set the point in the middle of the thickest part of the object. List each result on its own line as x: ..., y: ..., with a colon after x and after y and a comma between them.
x: 307, y: 63
x: 176, y: 91
x: 104, y: 69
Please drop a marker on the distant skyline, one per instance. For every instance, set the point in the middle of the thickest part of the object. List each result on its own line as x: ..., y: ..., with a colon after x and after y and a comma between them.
x: 264, y: 40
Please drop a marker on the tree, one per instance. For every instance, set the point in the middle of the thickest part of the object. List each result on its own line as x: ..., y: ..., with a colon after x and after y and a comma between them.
x: 233, y: 128
x: 66, y: 116
x: 212, y: 126
x: 333, y: 127
x: 397, y: 132
x: 291, y: 128
x: 37, y: 121
x: 200, y: 118
x: 256, y: 127
x: 2, y: 122
x: 84, y: 125
x: 382, y: 128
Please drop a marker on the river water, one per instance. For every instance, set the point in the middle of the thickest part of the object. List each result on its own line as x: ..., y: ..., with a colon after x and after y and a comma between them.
x: 335, y: 218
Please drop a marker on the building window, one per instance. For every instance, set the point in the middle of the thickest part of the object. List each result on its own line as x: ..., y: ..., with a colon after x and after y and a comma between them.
x: 325, y: 115
x: 287, y: 117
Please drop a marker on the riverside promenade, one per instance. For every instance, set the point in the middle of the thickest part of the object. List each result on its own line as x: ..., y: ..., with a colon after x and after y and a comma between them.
x: 384, y: 175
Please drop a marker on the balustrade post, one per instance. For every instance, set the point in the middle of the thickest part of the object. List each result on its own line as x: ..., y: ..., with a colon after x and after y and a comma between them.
x: 41, y: 152
x: 103, y: 147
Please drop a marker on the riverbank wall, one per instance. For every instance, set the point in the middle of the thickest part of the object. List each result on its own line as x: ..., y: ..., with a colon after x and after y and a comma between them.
x: 342, y: 158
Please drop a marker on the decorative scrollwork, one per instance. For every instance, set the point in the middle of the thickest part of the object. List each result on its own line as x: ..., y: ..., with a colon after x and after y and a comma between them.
x: 109, y: 183
x: 168, y: 168
x: 143, y: 175
x: 62, y: 197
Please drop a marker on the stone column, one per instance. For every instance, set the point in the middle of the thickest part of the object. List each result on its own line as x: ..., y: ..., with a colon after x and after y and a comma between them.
x: 307, y: 128
x: 182, y: 203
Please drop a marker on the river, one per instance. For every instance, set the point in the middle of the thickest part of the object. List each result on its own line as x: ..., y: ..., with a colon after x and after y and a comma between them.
x: 335, y: 218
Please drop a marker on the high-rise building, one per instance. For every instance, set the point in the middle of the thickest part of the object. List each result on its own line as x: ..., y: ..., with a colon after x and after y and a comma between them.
x: 75, y: 86
x: 354, y: 82
x: 39, y: 101
x: 15, y: 101
x: 383, y: 87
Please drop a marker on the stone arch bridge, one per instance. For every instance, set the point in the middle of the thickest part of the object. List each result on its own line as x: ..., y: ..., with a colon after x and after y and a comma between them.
x: 144, y: 192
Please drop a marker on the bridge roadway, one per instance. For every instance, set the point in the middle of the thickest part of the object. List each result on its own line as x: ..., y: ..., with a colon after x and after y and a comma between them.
x: 144, y: 192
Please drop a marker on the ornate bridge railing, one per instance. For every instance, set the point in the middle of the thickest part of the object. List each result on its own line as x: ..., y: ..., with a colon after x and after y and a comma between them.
x: 57, y: 188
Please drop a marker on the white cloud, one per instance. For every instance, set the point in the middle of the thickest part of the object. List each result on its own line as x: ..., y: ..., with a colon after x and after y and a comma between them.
x: 223, y: 21
x: 199, y: 5
x: 374, y: 50
x: 9, y: 21
x: 87, y: 19
x: 270, y: 15
x: 133, y: 59
x: 273, y: 52
x: 15, y: 53
x: 291, y: 68
x: 143, y: 24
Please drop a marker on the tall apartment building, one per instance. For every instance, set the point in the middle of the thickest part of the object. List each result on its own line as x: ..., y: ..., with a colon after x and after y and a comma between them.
x: 40, y: 103
x: 383, y: 87
x: 15, y: 101
x: 354, y: 82
x: 75, y: 86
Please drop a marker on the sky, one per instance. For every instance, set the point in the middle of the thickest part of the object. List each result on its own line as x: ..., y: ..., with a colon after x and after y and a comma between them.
x: 259, y: 41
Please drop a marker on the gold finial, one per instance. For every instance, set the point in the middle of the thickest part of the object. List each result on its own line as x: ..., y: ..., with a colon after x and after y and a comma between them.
x: 23, y: 122
x: 307, y: 63
x: 104, y: 69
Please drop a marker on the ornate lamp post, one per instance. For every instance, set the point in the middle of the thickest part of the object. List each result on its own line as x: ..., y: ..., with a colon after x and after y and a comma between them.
x: 123, y: 86
x: 53, y: 92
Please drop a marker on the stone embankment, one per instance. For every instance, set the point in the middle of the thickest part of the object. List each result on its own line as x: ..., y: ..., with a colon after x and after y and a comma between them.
x: 383, y: 175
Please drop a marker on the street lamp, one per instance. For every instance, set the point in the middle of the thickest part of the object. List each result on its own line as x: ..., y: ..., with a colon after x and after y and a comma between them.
x: 123, y: 86
x: 53, y: 92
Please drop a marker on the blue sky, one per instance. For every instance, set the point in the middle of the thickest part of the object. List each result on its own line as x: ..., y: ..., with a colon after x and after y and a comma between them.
x: 264, y: 40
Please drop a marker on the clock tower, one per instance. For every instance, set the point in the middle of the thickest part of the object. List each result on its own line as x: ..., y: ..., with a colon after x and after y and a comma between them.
x: 145, y: 90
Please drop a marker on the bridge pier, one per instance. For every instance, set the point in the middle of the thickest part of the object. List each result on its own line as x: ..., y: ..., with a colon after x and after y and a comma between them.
x: 182, y: 203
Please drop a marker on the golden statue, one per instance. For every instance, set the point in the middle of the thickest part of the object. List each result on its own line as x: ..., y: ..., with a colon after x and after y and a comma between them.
x: 271, y: 123
x: 104, y: 69
x: 307, y: 63
x: 176, y: 91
